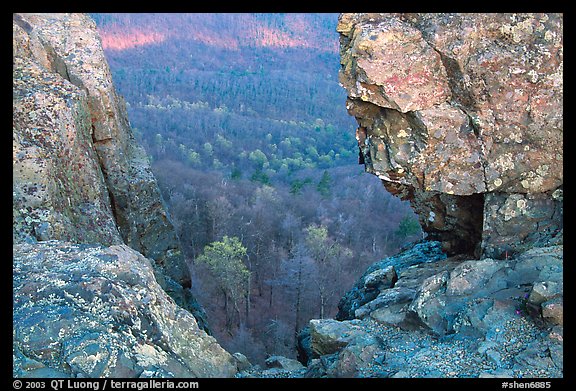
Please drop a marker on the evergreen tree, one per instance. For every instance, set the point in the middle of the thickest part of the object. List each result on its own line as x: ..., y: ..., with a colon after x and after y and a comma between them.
x: 407, y: 227
x: 298, y: 184
x: 324, y: 187
x: 260, y: 176
x: 236, y: 173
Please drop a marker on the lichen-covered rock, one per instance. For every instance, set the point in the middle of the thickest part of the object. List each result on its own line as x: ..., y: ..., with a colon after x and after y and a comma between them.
x: 463, y: 115
x: 553, y: 310
x: 471, y: 276
x: 453, y: 318
x: 285, y: 363
x: 354, y: 357
x: 512, y: 220
x: 410, y: 79
x: 545, y: 290
x: 362, y: 293
x: 59, y: 191
x: 381, y: 278
x: 242, y: 362
x: 455, y: 298
x: 428, y: 305
x: 85, y: 310
x: 386, y: 298
x: 328, y: 336
x: 79, y: 174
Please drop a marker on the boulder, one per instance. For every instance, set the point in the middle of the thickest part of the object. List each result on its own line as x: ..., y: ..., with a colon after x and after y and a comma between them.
x: 427, y: 307
x: 471, y: 276
x: 353, y: 358
x: 543, y: 291
x: 381, y: 279
x: 88, y: 310
x: 539, y: 264
x: 329, y: 336
x: 361, y: 293
x: 555, y: 346
x: 386, y: 298
x: 394, y: 315
x: 322, y: 366
x: 553, y: 311
x: 242, y: 362
x: 462, y: 115
x: 285, y: 363
x: 535, y: 355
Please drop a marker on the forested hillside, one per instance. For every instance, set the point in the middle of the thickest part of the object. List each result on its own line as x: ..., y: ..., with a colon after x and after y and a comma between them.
x: 246, y: 126
x: 239, y: 93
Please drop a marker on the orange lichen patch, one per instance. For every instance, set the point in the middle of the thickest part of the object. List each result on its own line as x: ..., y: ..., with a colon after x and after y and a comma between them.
x: 112, y: 40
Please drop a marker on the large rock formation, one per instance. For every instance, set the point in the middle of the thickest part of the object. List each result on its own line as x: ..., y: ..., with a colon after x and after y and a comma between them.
x: 78, y: 172
x: 85, y: 310
x: 447, y: 317
x: 363, y: 292
x: 462, y: 114
x: 79, y: 176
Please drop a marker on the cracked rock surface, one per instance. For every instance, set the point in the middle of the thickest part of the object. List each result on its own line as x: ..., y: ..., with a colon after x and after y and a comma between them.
x: 447, y: 317
x: 79, y: 174
x: 83, y: 310
x: 459, y: 113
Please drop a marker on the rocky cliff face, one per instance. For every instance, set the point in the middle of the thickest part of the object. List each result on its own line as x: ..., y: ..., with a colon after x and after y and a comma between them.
x: 78, y: 172
x: 422, y: 314
x: 462, y: 114
x: 80, y: 177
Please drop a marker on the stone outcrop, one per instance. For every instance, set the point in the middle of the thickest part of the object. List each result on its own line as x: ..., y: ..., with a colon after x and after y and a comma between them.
x: 462, y: 114
x: 95, y: 253
x: 362, y: 293
x: 79, y: 174
x: 84, y: 310
x: 448, y: 317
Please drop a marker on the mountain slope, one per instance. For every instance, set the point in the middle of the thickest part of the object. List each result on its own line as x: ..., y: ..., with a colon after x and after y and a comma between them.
x: 228, y: 80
